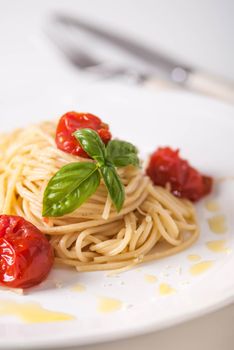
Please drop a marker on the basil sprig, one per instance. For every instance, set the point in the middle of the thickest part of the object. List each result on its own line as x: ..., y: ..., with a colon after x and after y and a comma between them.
x: 74, y: 183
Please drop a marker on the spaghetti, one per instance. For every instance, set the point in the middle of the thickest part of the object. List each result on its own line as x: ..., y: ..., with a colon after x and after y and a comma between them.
x: 152, y: 224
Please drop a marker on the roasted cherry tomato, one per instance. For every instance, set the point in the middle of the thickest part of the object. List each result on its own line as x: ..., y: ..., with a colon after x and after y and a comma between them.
x: 72, y: 121
x: 26, y: 256
x: 166, y: 167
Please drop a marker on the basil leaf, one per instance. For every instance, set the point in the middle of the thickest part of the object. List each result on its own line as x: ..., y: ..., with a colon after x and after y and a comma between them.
x: 92, y: 144
x: 122, y: 153
x: 70, y: 187
x: 114, y: 185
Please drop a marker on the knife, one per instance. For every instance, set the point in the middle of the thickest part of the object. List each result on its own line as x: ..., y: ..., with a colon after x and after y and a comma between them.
x: 109, y: 54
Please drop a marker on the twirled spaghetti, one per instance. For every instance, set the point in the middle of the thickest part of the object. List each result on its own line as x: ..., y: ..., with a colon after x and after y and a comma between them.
x: 152, y: 223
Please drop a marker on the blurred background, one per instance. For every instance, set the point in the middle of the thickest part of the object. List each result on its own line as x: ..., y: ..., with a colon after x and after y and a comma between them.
x: 35, y: 66
x: 32, y: 66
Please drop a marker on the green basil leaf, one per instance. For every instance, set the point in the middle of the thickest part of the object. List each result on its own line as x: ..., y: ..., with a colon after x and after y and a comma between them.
x: 92, y: 144
x: 70, y: 187
x: 114, y: 185
x: 122, y: 153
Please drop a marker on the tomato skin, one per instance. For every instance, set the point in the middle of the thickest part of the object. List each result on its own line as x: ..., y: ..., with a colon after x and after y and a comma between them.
x: 26, y: 256
x: 166, y: 166
x: 72, y: 121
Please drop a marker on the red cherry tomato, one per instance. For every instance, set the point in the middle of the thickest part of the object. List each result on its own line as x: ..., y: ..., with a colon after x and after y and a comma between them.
x: 166, y: 166
x: 26, y: 256
x: 72, y: 121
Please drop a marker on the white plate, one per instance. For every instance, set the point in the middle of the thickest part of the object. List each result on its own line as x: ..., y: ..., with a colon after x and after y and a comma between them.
x: 204, y: 130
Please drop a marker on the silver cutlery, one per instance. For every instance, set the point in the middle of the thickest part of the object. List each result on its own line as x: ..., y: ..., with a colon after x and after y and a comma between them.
x: 111, y: 55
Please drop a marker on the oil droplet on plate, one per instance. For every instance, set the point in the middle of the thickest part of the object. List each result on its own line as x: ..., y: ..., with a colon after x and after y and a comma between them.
x: 217, y: 246
x: 31, y: 312
x: 166, y: 289
x: 107, y: 305
x: 193, y: 257
x: 212, y: 205
x: 150, y: 278
x: 200, y: 267
x: 80, y: 288
x: 218, y: 224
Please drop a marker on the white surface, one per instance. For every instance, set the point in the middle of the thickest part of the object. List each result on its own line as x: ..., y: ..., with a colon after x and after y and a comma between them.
x: 199, y: 32
x: 172, y: 119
